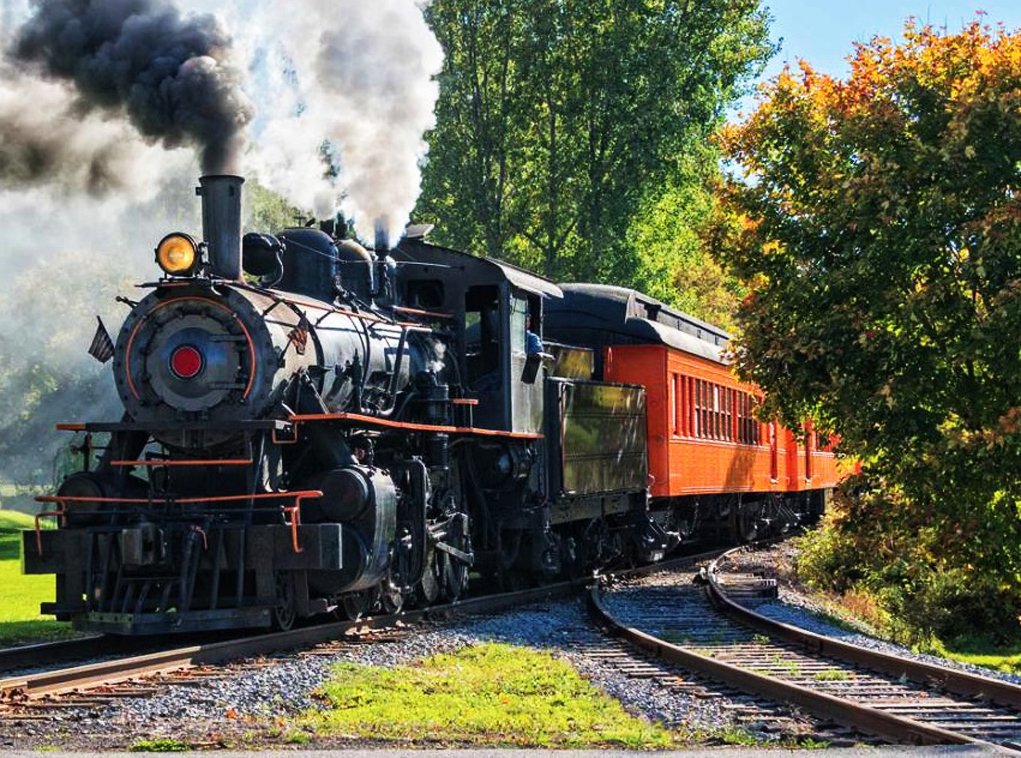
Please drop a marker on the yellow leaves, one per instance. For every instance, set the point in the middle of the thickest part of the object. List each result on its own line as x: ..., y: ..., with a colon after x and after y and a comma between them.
x: 1010, y: 421
x: 886, y: 392
x: 969, y: 151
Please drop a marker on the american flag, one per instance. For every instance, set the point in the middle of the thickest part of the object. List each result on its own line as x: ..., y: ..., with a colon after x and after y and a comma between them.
x: 102, y: 346
x: 299, y: 335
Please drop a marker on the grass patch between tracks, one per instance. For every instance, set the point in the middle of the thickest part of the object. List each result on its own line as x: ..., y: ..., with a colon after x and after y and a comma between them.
x: 20, y: 595
x: 490, y: 694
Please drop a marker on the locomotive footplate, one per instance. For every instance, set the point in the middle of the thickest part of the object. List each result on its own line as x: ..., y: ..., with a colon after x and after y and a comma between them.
x: 262, y: 425
x: 99, y: 594
x: 269, y: 547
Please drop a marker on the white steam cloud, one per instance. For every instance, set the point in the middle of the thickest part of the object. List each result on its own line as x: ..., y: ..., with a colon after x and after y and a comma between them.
x: 84, y: 196
x: 359, y: 78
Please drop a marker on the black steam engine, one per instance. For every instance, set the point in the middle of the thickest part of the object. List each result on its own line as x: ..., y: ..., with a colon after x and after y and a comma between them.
x: 312, y: 427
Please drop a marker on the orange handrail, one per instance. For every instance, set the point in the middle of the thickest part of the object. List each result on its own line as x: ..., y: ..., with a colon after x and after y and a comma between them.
x: 302, y: 494
x: 292, y: 510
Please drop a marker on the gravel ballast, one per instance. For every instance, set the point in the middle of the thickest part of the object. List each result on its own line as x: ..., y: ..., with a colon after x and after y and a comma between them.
x: 250, y: 704
x: 252, y: 698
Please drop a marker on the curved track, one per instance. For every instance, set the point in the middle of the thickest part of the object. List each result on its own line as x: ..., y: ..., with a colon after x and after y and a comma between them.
x: 879, y: 694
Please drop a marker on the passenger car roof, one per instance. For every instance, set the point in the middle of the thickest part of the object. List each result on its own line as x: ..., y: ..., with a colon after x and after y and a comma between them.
x: 626, y: 316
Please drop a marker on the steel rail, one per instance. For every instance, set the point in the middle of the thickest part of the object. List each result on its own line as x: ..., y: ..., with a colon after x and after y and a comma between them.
x: 857, y: 716
x: 950, y: 680
x: 35, y: 685
x: 62, y: 680
x: 41, y: 653
x: 58, y: 681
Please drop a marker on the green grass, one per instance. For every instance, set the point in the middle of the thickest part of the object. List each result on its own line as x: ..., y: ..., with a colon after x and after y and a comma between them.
x: 791, y: 667
x: 861, y: 611
x: 831, y: 675
x: 159, y: 745
x: 735, y: 735
x: 20, y: 595
x: 996, y: 657
x: 14, y: 520
x: 487, y: 695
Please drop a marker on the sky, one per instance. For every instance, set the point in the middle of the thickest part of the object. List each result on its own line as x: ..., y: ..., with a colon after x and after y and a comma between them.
x: 822, y: 32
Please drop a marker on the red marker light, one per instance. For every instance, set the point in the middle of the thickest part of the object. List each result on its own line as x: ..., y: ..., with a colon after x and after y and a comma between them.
x: 186, y: 362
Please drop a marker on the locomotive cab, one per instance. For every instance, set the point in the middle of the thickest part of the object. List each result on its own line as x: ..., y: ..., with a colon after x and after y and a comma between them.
x: 488, y: 305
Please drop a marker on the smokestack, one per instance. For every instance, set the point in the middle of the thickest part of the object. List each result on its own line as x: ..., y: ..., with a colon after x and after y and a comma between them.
x: 382, y: 236
x: 221, y: 223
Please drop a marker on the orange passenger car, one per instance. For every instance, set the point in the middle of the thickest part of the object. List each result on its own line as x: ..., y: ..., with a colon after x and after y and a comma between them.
x: 710, y: 460
x: 703, y: 436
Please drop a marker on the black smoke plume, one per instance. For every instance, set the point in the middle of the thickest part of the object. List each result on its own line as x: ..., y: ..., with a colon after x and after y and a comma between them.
x: 168, y: 73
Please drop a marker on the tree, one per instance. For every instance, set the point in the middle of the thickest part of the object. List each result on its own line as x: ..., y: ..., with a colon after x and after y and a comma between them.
x: 672, y: 256
x: 881, y: 240
x: 268, y: 212
x: 559, y: 122
x: 46, y: 376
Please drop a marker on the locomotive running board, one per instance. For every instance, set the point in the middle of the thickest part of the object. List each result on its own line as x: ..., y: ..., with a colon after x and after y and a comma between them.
x: 183, y: 426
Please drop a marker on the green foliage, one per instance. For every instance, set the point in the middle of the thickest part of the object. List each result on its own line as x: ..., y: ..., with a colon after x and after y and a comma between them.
x: 670, y: 255
x: 487, y: 694
x: 890, y: 552
x: 46, y: 375
x: 160, y: 745
x: 882, y: 225
x: 831, y: 675
x: 565, y: 132
x: 267, y: 212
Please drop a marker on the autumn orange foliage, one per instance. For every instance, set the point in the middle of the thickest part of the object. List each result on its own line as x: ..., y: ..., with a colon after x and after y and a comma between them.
x: 882, y: 241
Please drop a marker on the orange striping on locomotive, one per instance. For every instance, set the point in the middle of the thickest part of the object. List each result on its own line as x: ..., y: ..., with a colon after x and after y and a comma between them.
x: 702, y: 435
x: 409, y: 426
x: 215, y: 304
x: 424, y: 314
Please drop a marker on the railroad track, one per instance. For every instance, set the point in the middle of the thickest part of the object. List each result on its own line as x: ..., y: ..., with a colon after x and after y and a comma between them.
x: 24, y: 658
x: 903, y: 701
x: 134, y: 669
x: 26, y: 696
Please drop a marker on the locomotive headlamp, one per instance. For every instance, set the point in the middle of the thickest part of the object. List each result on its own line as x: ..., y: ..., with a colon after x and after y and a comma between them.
x: 178, y: 254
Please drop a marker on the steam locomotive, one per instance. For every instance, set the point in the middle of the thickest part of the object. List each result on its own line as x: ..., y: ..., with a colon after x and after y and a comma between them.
x: 312, y: 427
